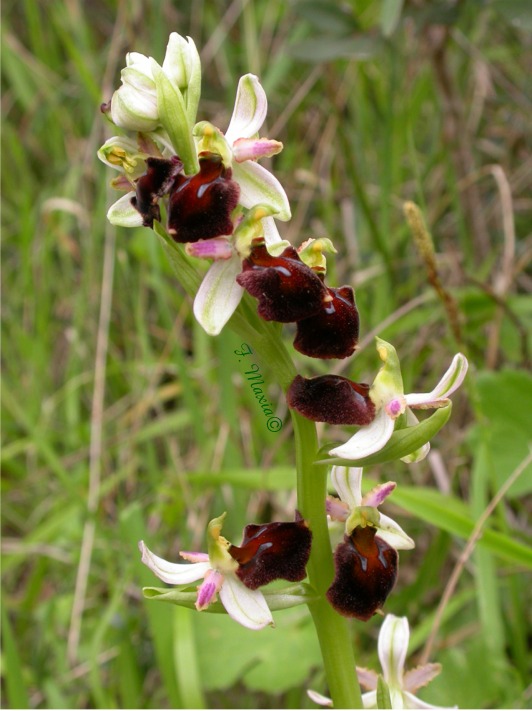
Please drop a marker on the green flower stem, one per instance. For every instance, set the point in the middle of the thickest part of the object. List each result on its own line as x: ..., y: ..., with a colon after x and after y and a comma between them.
x: 331, y: 628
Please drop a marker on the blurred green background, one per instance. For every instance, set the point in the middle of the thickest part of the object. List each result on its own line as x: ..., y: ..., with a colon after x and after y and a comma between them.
x: 122, y: 420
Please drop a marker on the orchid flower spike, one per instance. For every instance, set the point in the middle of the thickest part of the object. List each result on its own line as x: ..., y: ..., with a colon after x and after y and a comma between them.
x: 393, y: 647
x: 390, y: 402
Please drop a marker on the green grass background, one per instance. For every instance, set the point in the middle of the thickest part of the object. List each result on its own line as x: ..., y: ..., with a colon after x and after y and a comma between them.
x: 122, y: 420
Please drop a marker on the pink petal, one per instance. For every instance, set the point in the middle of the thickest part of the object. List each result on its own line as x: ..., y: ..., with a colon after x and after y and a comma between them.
x: 209, y: 589
x: 336, y: 509
x: 194, y: 557
x: 215, y: 248
x: 255, y: 148
x: 367, y: 678
x: 420, y: 676
x: 376, y: 496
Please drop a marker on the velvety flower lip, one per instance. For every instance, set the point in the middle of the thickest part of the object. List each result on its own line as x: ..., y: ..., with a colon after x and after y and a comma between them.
x: 156, y: 182
x: 333, y: 331
x: 271, y: 551
x: 390, y: 401
x: 366, y: 571
x: 332, y: 399
x: 200, y: 205
x: 394, y: 636
x: 218, y: 571
x: 286, y: 288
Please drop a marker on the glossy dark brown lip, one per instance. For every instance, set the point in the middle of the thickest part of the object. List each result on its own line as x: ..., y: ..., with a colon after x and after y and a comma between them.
x: 332, y: 399
x: 286, y: 288
x: 365, y: 574
x: 271, y: 551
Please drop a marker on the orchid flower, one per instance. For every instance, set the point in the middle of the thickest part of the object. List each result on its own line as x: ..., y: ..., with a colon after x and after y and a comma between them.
x: 390, y: 402
x: 394, y: 636
x: 270, y: 551
x: 353, y: 508
x: 219, y: 572
x: 366, y: 561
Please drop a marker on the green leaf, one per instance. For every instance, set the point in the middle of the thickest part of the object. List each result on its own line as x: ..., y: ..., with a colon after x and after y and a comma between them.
x: 451, y: 515
x: 270, y: 660
x: 277, y: 599
x: 274, y: 479
x: 401, y: 443
x: 505, y: 402
x: 390, y: 16
x: 326, y: 49
x: 383, y: 694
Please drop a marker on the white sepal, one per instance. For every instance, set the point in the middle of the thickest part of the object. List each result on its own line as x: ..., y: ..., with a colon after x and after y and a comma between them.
x: 172, y: 573
x: 218, y: 295
x: 369, y: 438
x: 123, y: 214
x: 245, y: 606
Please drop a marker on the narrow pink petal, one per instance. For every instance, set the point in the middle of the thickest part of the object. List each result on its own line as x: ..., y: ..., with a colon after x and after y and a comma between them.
x: 215, y: 248
x: 336, y: 509
x: 172, y: 573
x: 420, y: 676
x: 255, y: 148
x: 209, y: 589
x: 251, y: 106
x: 194, y: 557
x: 368, y: 440
x: 451, y: 381
x: 377, y: 495
x: 319, y: 698
x: 367, y: 678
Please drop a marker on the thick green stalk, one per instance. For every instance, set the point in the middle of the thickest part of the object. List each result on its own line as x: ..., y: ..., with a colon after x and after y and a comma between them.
x: 332, y: 630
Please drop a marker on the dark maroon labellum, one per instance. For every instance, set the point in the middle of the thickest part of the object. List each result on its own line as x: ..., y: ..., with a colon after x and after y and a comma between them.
x: 331, y: 399
x: 201, y: 205
x: 333, y: 331
x: 286, y: 288
x: 271, y: 551
x: 366, y: 570
x: 155, y: 183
